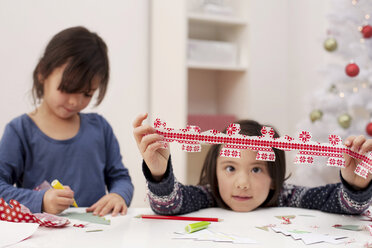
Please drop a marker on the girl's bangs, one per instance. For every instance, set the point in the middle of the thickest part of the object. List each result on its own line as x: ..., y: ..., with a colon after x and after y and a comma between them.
x: 77, y: 79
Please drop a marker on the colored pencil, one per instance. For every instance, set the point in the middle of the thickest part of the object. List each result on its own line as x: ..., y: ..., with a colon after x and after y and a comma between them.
x: 166, y: 217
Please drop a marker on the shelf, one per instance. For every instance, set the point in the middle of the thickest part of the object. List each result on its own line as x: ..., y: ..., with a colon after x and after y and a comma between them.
x: 216, y: 19
x: 205, y: 66
x: 207, y: 122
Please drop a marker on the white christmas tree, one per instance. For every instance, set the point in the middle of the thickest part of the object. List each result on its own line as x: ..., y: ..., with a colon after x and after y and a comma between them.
x: 343, y: 106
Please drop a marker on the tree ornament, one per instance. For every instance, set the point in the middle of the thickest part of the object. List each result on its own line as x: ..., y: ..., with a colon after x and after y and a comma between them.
x: 352, y: 70
x: 367, y: 31
x: 315, y: 115
x: 344, y: 120
x: 369, y: 129
x: 333, y: 89
x: 330, y: 44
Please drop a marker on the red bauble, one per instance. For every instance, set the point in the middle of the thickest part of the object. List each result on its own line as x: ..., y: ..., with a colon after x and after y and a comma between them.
x: 367, y: 31
x: 369, y: 129
x: 352, y: 70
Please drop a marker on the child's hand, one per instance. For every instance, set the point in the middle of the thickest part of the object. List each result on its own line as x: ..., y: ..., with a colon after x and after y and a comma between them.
x: 110, y: 202
x: 360, y: 145
x: 152, y: 151
x: 57, y: 200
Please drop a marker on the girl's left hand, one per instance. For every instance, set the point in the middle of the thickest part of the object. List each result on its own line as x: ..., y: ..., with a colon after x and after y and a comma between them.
x: 110, y: 202
x: 360, y: 145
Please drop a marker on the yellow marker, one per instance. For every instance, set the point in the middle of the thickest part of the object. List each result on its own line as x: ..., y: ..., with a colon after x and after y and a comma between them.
x: 57, y: 185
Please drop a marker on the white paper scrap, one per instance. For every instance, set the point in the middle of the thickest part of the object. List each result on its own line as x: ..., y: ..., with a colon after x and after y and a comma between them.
x: 12, y: 233
x: 210, y: 235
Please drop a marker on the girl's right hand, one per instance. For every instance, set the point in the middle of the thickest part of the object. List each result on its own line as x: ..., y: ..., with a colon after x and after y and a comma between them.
x: 151, y: 148
x: 57, y: 200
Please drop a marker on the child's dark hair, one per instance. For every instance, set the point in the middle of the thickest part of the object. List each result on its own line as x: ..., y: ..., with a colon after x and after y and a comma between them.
x: 86, y: 56
x: 276, y: 169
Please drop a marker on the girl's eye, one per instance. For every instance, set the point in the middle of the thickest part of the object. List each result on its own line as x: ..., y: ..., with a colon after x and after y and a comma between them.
x: 229, y: 168
x: 87, y: 95
x: 256, y: 170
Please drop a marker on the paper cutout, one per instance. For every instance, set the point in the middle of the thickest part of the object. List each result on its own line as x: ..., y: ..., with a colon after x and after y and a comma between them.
x: 79, y: 225
x: 266, y: 227
x: 210, y: 235
x: 16, y: 212
x: 366, y: 216
x: 315, y: 226
x: 285, y: 216
x: 348, y: 227
x: 286, y: 220
x: 306, y: 215
x: 191, y: 138
x: 89, y: 217
x: 12, y: 233
x: 308, y: 237
x: 367, y: 245
x: 369, y: 229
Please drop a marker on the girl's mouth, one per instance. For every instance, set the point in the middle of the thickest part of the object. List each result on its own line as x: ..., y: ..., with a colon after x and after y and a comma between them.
x: 68, y: 110
x: 242, y: 198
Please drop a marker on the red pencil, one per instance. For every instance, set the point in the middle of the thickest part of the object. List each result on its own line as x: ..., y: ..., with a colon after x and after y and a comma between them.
x: 166, y: 217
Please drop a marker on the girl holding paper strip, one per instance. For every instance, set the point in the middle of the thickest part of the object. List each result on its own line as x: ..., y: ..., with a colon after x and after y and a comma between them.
x: 244, y: 184
x: 57, y: 141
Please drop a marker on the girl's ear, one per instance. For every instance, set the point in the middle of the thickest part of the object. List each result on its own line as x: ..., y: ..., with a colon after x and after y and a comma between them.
x: 40, y: 78
x: 272, y: 185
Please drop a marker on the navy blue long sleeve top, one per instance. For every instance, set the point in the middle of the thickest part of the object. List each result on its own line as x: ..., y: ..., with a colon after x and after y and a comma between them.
x: 90, y: 162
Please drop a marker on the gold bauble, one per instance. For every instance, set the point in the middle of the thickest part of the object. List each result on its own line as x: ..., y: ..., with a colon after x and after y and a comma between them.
x: 344, y: 120
x: 315, y: 115
x: 330, y: 44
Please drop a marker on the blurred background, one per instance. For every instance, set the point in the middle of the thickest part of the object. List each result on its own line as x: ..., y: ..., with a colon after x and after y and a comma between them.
x: 296, y: 65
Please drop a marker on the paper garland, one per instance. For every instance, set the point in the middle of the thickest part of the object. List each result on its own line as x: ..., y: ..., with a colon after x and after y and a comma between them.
x: 16, y: 212
x: 191, y: 138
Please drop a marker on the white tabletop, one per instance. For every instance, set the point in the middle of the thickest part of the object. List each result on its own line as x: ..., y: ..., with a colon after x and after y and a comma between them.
x: 127, y: 231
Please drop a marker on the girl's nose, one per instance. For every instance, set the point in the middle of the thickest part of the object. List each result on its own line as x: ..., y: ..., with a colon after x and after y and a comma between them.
x: 74, y: 100
x: 242, y: 182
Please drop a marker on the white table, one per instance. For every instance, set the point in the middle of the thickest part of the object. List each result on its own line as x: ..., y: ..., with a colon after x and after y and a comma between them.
x: 127, y: 231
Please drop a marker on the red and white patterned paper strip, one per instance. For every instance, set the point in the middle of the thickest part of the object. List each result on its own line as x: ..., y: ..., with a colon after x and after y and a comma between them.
x: 286, y: 220
x: 16, y: 212
x: 191, y: 138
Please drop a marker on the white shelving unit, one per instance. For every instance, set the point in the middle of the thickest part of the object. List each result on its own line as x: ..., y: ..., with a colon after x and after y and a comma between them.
x: 203, y: 66
x: 179, y: 87
x: 214, y: 19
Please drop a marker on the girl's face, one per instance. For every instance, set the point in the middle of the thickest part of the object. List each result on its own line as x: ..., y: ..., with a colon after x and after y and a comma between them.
x: 61, y: 104
x: 244, y: 183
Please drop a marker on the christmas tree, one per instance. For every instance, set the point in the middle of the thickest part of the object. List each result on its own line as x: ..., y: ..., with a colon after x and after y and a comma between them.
x: 344, y: 105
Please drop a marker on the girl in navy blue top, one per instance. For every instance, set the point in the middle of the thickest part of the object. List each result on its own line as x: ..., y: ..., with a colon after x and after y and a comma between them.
x: 244, y: 184
x: 56, y: 141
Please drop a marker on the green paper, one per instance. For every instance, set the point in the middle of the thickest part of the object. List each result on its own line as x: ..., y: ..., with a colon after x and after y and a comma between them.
x: 286, y: 216
x: 349, y: 227
x: 88, y: 217
x: 97, y: 230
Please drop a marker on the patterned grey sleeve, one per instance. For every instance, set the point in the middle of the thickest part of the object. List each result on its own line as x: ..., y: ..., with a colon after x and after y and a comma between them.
x: 334, y: 198
x: 170, y: 197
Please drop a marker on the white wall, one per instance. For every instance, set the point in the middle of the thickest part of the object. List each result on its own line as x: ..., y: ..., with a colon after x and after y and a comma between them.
x: 307, y: 31
x: 286, y: 53
x: 286, y: 36
x: 26, y: 27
